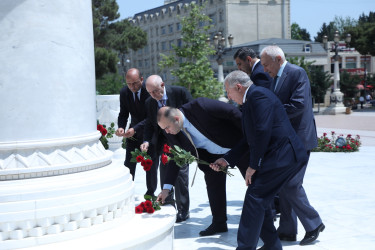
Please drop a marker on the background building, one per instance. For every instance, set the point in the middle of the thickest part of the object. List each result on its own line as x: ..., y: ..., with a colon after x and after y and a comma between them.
x: 246, y: 20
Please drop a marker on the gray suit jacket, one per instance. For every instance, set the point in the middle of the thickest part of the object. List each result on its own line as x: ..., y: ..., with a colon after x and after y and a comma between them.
x: 293, y: 89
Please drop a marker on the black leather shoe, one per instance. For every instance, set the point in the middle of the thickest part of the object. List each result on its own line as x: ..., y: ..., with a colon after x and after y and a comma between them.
x: 312, y: 236
x: 287, y: 237
x: 213, y: 229
x: 182, y: 217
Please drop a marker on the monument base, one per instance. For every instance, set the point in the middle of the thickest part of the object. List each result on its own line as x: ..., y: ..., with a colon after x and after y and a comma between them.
x: 143, y: 231
x: 334, y: 110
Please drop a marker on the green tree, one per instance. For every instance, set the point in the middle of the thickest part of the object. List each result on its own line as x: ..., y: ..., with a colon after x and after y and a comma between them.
x: 320, y: 81
x: 300, y: 61
x: 112, y: 38
x: 189, y: 62
x: 298, y: 33
x: 326, y: 30
x: 348, y: 84
x: 342, y: 23
x: 363, y: 35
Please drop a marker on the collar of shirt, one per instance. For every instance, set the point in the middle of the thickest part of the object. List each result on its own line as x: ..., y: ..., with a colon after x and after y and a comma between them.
x: 138, y: 93
x: 281, y: 69
x: 244, y: 96
x: 252, y: 69
x: 201, y: 141
x: 165, y: 98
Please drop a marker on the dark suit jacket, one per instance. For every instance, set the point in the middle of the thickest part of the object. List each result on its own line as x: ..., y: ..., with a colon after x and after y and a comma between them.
x: 259, y: 77
x: 127, y: 106
x: 293, y: 89
x: 177, y: 96
x: 218, y: 121
x: 268, y: 133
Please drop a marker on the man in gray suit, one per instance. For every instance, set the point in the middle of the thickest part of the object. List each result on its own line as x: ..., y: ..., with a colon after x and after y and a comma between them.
x: 292, y: 86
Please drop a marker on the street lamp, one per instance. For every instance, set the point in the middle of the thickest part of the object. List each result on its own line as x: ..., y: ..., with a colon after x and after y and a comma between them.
x: 337, y: 105
x: 219, y: 43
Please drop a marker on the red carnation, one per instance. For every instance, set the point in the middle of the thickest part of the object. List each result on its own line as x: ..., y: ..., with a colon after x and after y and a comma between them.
x: 99, y: 127
x: 104, y: 131
x: 139, y: 158
x: 349, y: 135
x: 138, y: 209
x: 343, y: 146
x: 324, y: 134
x: 148, y: 204
x: 147, y: 165
x: 142, y: 205
x: 143, y: 162
x: 164, y: 159
x: 348, y: 147
x: 166, y: 149
x: 150, y: 210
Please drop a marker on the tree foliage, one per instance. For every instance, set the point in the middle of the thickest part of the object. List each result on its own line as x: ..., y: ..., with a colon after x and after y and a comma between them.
x: 189, y: 62
x: 299, y: 34
x: 363, y: 35
x: 112, y: 38
x: 326, y: 30
x: 348, y: 83
x: 320, y: 81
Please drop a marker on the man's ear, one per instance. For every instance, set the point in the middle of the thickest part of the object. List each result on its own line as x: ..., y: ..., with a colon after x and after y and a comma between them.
x: 238, y: 86
x: 162, y: 84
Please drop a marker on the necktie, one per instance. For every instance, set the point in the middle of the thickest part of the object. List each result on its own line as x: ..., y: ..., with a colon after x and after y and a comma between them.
x: 274, y: 84
x: 137, y: 102
x: 162, y: 102
x: 196, y: 151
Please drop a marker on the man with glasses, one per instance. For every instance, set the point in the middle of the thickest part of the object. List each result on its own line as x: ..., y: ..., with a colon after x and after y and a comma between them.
x: 132, y: 101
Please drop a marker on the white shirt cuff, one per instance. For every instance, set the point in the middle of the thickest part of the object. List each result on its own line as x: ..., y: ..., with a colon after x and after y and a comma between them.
x: 168, y: 186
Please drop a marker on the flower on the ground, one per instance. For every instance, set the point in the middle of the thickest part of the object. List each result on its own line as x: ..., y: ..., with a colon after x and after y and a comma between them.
x: 182, y: 157
x: 337, y: 144
x: 143, y: 158
x: 148, y: 206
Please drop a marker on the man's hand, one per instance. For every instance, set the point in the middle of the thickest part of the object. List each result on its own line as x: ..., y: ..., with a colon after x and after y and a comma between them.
x: 162, y: 196
x: 129, y: 133
x: 144, y: 146
x: 249, y: 173
x: 120, y: 132
x: 218, y: 164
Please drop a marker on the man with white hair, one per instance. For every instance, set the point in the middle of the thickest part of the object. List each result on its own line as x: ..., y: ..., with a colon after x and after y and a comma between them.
x: 292, y: 87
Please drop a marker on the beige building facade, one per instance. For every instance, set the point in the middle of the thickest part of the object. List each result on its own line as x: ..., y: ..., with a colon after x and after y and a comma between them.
x: 246, y: 20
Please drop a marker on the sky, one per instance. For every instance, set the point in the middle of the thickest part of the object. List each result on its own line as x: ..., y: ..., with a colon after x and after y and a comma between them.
x: 308, y: 14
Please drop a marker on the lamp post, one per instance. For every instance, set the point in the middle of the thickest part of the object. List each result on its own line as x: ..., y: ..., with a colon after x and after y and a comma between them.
x: 219, y: 43
x: 337, y: 105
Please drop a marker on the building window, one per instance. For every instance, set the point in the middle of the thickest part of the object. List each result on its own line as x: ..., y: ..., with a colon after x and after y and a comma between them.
x: 156, y: 31
x: 179, y: 43
x: 163, y: 30
x: 221, y: 16
x: 147, y: 64
x: 145, y: 49
x: 307, y: 48
x: 170, y: 28
x: 178, y: 26
x: 213, y: 18
x: 140, y: 64
x: 151, y: 33
x: 163, y: 46
x: 171, y: 44
x: 351, y: 63
x: 157, y: 46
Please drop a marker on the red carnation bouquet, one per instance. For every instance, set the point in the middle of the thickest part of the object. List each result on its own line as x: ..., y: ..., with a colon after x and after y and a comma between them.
x: 143, y: 158
x: 150, y: 205
x: 182, y: 157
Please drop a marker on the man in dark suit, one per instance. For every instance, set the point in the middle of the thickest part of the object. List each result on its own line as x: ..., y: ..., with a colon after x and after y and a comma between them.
x: 132, y: 101
x: 208, y: 129
x: 291, y: 85
x: 276, y: 155
x: 248, y: 62
x: 153, y: 138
